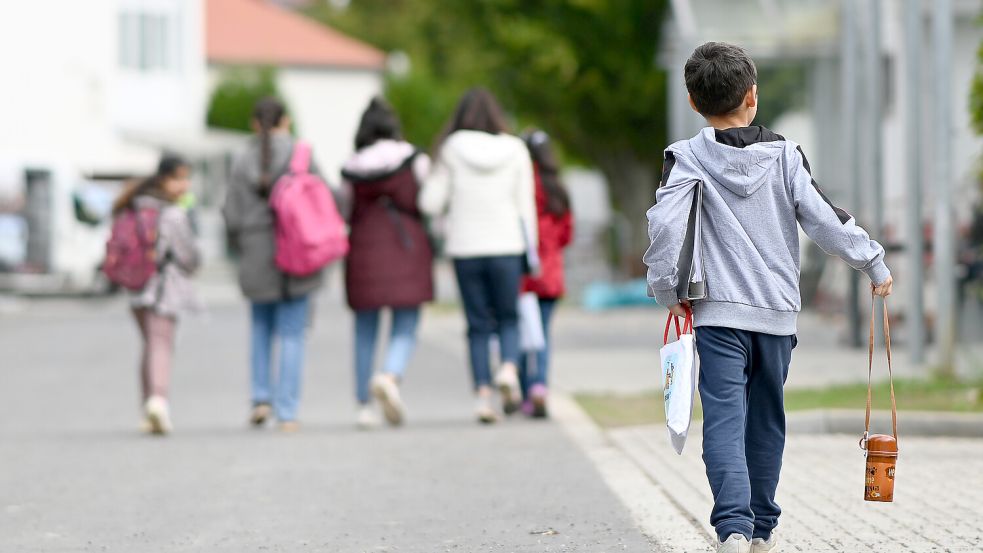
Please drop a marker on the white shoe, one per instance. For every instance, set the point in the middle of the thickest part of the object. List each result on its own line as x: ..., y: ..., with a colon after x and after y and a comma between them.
x: 507, y: 382
x: 387, y: 392
x: 366, y: 419
x: 736, y: 543
x: 758, y: 545
x: 483, y: 410
x: 158, y: 415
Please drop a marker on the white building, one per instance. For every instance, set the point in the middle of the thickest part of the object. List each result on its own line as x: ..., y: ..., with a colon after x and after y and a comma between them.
x: 94, y: 90
x: 325, y: 77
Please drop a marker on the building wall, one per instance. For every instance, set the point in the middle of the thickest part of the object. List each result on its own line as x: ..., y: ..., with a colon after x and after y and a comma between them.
x: 327, y: 106
x: 68, y: 95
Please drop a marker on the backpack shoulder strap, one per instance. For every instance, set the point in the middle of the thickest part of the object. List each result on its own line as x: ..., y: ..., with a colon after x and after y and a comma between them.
x: 300, y: 162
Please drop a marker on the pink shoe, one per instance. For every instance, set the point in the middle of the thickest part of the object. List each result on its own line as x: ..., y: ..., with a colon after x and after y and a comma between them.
x: 527, y: 408
x: 537, y: 397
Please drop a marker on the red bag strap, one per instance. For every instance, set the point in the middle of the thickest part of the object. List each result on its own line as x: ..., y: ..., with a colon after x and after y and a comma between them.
x: 300, y: 161
x: 686, y: 329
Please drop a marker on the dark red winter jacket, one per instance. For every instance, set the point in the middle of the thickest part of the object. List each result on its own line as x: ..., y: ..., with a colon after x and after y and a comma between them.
x: 555, y: 234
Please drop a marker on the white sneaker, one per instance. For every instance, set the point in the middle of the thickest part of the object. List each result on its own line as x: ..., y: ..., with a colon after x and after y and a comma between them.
x: 366, y: 419
x: 758, y: 545
x: 507, y: 382
x: 158, y: 415
x: 483, y: 410
x: 387, y: 392
x: 736, y: 543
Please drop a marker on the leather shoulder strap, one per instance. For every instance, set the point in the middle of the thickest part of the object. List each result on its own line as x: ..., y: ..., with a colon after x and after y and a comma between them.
x: 870, y: 369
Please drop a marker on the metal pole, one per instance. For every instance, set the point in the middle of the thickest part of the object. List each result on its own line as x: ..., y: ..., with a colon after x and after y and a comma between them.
x: 944, y: 239
x: 914, y: 239
x: 873, y: 109
x: 848, y: 81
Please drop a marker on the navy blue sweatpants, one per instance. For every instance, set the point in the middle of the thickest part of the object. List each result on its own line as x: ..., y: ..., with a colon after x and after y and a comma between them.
x: 742, y: 380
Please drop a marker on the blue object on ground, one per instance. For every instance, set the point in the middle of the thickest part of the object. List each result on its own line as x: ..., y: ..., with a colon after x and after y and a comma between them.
x: 599, y: 296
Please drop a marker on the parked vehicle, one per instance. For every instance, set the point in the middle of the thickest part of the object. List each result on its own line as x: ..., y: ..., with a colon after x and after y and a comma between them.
x: 54, y: 223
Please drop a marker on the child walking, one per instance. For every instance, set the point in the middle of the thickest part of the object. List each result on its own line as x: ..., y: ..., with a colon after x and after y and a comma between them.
x: 168, y: 292
x: 390, y: 264
x: 756, y: 186
x: 555, y: 224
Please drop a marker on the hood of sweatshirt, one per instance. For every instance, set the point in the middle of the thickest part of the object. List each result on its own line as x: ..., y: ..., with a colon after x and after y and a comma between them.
x: 740, y: 159
x: 381, y: 158
x: 483, y: 151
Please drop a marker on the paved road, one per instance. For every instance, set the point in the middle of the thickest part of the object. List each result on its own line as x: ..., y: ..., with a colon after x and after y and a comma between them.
x: 75, y: 475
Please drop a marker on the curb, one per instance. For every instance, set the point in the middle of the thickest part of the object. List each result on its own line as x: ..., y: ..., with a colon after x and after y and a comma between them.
x: 910, y: 423
x: 669, y: 526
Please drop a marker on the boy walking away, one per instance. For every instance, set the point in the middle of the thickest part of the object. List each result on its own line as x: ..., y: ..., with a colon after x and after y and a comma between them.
x: 756, y: 186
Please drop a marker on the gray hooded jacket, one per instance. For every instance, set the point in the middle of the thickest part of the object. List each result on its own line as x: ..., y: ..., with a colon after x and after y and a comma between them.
x: 249, y: 224
x: 756, y: 187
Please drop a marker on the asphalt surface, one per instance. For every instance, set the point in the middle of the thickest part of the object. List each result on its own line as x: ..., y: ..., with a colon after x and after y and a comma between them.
x: 76, y: 475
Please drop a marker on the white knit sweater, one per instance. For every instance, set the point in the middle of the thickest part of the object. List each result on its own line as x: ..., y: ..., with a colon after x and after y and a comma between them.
x: 484, y: 182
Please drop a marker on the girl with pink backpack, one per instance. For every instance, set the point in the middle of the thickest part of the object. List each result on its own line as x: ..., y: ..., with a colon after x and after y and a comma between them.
x: 153, y: 253
x: 280, y: 261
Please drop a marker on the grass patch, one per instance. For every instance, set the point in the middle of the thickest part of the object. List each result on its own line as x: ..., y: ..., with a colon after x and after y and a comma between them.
x: 611, y: 410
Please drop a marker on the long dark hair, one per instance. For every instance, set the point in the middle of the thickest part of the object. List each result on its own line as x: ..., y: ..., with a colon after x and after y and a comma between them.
x: 168, y: 167
x: 478, y: 110
x: 268, y: 113
x: 379, y: 121
x: 541, y: 151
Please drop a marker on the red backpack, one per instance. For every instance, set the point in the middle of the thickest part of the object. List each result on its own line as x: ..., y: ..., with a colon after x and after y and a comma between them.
x: 310, y: 232
x: 131, y: 252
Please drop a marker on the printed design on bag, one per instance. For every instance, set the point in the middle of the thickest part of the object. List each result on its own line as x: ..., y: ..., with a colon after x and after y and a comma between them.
x: 670, y: 371
x: 890, y: 473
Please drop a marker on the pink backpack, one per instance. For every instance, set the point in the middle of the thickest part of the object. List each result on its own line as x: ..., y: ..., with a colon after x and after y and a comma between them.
x: 310, y: 232
x: 131, y: 252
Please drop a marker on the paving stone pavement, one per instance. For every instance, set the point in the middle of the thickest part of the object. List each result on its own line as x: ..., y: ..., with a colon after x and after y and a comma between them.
x: 937, y: 506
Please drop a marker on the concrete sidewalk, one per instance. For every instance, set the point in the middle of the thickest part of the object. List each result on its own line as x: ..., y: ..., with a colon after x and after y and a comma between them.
x: 936, y: 508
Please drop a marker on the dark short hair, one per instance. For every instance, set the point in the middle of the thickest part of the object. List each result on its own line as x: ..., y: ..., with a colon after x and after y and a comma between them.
x: 379, y: 122
x: 718, y: 76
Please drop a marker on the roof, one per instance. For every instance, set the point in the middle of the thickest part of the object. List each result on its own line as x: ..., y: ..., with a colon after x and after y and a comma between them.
x: 257, y: 32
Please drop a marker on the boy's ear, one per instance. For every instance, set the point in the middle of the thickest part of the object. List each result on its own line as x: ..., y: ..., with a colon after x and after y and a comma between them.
x: 751, y: 99
x: 692, y: 104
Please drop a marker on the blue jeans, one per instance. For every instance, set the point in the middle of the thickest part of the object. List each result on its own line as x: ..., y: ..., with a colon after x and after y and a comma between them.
x: 742, y: 379
x: 402, y: 342
x: 539, y: 373
x: 490, y: 292
x: 285, y: 321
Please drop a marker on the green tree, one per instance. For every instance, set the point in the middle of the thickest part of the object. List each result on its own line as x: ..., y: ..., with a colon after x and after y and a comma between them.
x: 584, y: 70
x: 976, y: 93
x: 231, y: 105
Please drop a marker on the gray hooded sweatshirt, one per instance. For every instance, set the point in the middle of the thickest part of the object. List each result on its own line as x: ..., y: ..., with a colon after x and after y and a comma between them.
x: 249, y: 224
x: 756, y: 186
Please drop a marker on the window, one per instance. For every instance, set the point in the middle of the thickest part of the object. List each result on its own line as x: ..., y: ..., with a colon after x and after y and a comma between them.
x: 147, y: 41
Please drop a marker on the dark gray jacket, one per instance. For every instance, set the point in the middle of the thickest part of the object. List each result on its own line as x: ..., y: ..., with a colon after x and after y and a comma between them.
x: 249, y: 223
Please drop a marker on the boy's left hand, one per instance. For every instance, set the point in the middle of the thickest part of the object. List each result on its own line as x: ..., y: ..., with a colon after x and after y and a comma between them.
x: 883, y: 289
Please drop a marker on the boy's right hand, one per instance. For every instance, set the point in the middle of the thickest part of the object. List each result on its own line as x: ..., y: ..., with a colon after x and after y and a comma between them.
x: 680, y: 308
x: 883, y: 289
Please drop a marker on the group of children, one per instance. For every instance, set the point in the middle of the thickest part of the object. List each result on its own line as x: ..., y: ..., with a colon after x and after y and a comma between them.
x: 498, y: 195
x: 757, y: 188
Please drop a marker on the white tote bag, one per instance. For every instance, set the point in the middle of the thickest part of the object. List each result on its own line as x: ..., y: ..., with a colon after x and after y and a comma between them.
x: 679, y: 380
x: 531, y: 337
